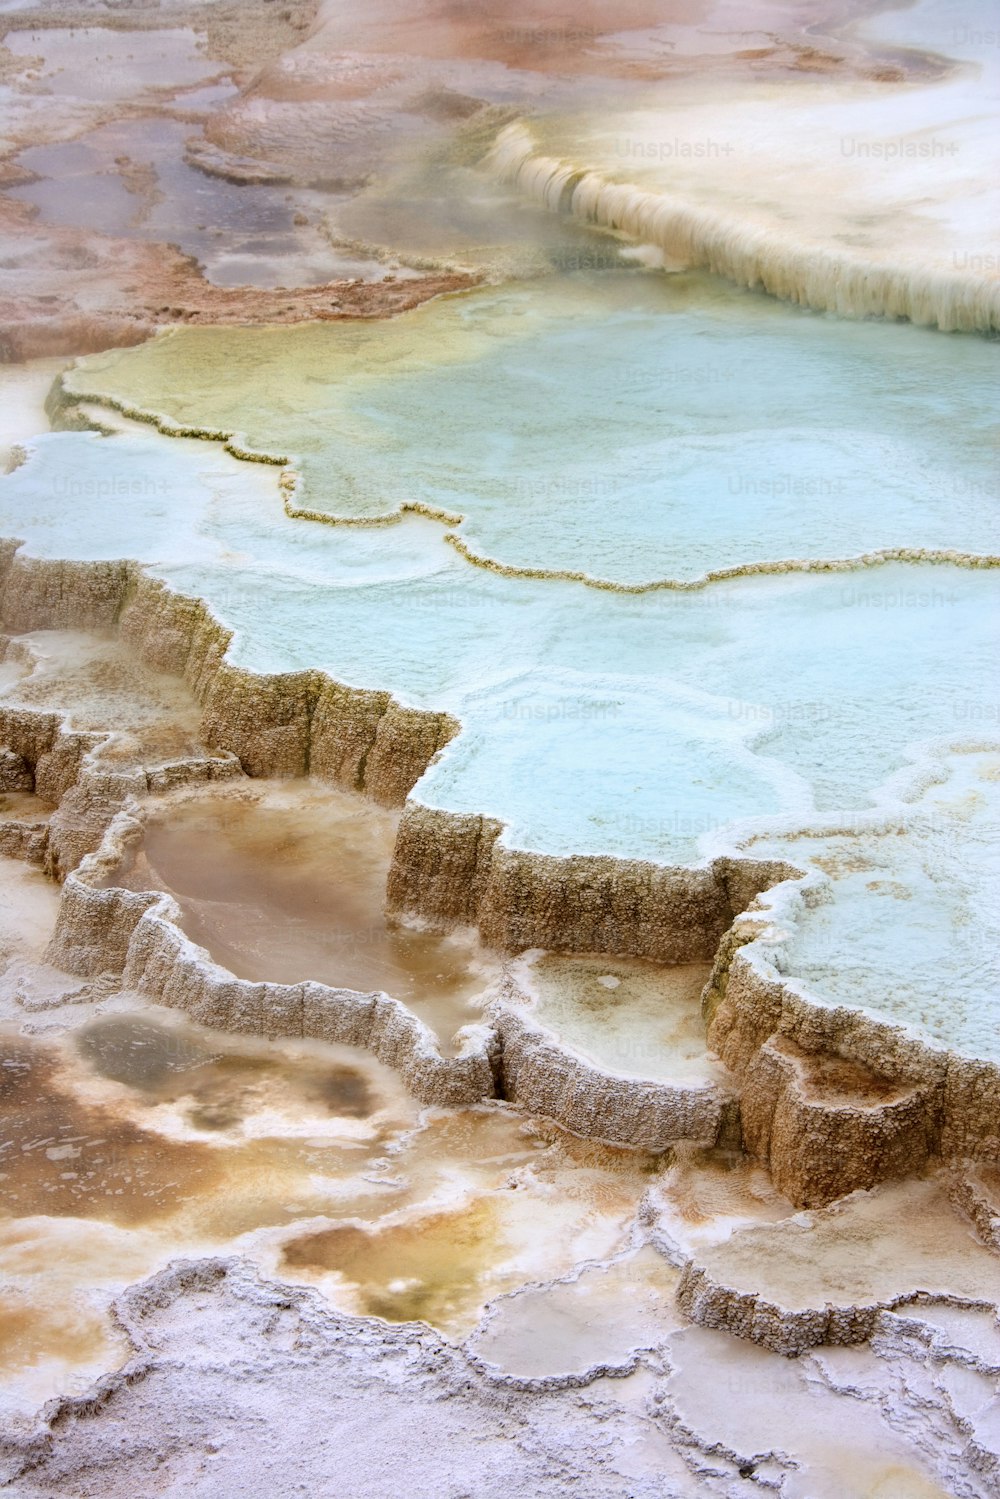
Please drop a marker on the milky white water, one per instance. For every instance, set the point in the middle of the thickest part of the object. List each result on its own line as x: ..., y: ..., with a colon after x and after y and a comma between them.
x: 592, y: 719
x: 856, y: 197
x: 23, y: 390
x: 703, y: 727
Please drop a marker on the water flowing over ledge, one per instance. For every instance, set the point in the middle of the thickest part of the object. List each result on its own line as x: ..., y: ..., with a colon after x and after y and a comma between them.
x: 850, y: 283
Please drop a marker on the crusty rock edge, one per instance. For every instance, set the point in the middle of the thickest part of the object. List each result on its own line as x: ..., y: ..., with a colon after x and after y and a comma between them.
x: 63, y: 408
x: 545, y: 1076
x: 324, y: 1334
x: 103, y: 927
x: 454, y: 868
x: 791, y: 1330
x: 911, y: 1100
x: 843, y: 279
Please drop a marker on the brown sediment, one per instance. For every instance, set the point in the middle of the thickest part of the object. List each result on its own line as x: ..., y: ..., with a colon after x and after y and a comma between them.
x: 136, y: 933
x: 13, y: 175
x: 424, y: 1269
x: 104, y: 927
x: 455, y: 867
x: 31, y: 1332
x: 823, y: 1132
x: 441, y: 1261
x: 145, y: 1124
x: 67, y: 1157
x: 165, y: 1064
x: 73, y: 291
x: 245, y: 33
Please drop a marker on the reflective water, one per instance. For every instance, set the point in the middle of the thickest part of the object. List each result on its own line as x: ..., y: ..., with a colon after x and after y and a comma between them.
x: 287, y: 882
x: 141, y: 1120
x: 140, y: 1137
x: 538, y: 1202
x: 132, y: 179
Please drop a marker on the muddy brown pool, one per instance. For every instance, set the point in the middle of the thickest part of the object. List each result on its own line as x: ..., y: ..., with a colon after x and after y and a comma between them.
x: 286, y: 882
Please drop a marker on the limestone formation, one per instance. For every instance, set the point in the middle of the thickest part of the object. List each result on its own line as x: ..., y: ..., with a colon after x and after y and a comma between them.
x: 833, y: 1099
x: 825, y: 1277
x: 473, y: 782
x: 883, y: 1099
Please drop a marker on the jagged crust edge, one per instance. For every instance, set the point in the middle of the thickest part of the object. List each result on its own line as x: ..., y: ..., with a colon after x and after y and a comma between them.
x: 452, y: 868
x: 540, y: 1074
x: 766, y: 1026
x: 101, y: 928
x: 63, y: 400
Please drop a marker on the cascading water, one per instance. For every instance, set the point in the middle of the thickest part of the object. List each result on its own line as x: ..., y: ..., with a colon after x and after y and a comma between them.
x: 849, y: 200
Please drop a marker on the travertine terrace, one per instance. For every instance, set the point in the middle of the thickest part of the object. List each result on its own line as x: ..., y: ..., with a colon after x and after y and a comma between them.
x: 498, y: 751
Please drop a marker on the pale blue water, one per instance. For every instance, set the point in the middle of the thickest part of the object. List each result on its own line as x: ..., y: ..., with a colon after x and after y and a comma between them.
x: 638, y: 436
x: 593, y: 720
x: 631, y: 427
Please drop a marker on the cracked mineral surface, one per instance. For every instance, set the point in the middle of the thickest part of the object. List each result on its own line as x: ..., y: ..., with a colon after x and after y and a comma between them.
x: 498, y: 750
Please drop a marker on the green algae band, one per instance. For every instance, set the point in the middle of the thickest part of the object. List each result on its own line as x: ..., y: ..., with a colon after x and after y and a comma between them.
x: 623, y: 428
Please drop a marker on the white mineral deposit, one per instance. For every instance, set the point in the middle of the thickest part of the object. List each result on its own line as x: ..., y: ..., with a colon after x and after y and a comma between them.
x: 499, y: 749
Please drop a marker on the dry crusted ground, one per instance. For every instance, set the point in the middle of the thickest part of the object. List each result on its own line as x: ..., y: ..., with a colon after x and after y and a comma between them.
x: 313, y: 103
